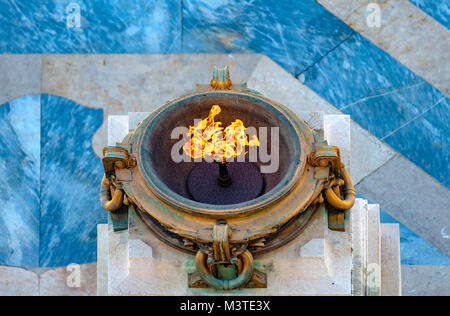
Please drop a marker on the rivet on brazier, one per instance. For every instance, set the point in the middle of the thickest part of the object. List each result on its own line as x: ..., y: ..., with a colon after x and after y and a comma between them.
x: 224, y: 173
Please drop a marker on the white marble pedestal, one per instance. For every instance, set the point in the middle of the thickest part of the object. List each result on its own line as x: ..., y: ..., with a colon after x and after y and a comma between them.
x: 363, y: 260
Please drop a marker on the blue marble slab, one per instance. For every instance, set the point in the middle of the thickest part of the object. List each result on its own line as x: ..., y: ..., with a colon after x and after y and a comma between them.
x: 19, y: 181
x: 70, y: 178
x: 49, y: 174
x: 426, y: 139
x: 293, y: 33
x: 120, y: 26
x: 438, y: 9
x: 387, y: 99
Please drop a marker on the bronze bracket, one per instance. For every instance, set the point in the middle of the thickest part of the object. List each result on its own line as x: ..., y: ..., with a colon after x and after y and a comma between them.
x: 116, y: 162
x: 329, y: 156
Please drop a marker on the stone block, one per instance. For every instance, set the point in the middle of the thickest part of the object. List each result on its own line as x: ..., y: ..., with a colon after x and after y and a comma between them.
x: 391, y: 278
x: 18, y: 282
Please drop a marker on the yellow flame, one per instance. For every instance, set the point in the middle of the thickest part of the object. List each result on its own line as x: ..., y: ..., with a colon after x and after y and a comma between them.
x: 208, y: 139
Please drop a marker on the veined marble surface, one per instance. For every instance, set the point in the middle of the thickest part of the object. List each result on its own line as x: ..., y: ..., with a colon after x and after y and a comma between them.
x: 293, y: 33
x: 50, y: 178
x: 388, y: 100
x: 105, y: 26
x: 70, y: 178
x: 438, y: 9
x: 20, y: 181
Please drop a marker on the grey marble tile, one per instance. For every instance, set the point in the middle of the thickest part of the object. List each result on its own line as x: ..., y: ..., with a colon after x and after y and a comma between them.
x: 426, y: 280
x: 414, y: 249
x: 412, y: 197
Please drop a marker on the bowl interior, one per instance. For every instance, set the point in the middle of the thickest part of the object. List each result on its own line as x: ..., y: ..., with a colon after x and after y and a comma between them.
x: 157, y: 143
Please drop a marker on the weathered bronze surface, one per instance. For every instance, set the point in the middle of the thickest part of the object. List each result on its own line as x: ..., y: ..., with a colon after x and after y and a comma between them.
x: 224, y: 238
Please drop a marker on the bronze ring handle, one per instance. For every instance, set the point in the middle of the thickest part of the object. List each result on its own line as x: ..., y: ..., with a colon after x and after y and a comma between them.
x: 349, y: 193
x: 114, y: 203
x: 243, y: 277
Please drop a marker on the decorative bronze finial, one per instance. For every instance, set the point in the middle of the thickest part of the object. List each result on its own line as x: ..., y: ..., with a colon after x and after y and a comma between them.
x: 221, y: 79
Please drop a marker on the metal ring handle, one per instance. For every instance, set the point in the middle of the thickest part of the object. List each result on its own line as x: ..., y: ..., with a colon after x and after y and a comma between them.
x: 349, y: 193
x: 105, y: 194
x: 240, y: 280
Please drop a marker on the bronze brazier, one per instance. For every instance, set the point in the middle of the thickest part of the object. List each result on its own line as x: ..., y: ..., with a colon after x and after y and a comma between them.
x: 139, y: 174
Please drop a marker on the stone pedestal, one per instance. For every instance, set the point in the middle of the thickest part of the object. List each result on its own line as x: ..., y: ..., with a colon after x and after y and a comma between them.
x: 362, y: 260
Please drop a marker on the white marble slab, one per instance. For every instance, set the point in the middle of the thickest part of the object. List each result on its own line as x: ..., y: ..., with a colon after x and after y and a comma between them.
x: 135, y: 118
x: 391, y: 276
x: 18, y: 282
x: 74, y: 280
x: 20, y: 75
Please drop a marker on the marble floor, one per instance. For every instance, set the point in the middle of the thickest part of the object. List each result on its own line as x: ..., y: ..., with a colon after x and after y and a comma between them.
x: 397, y: 96
x: 70, y: 112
